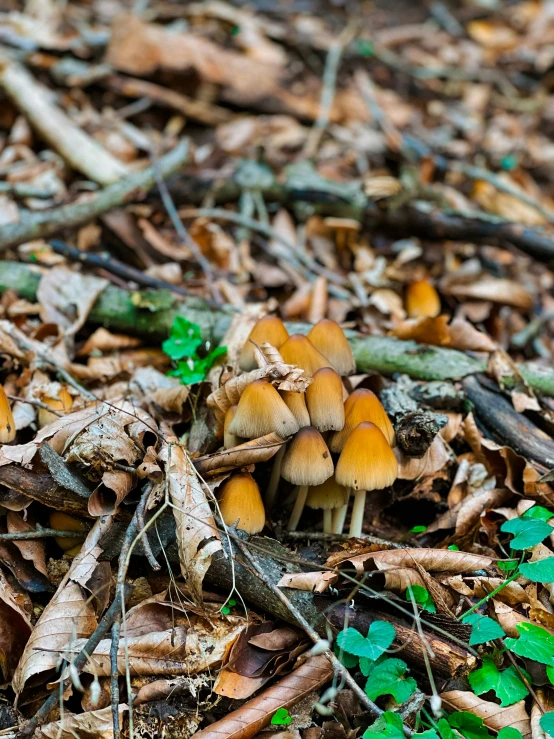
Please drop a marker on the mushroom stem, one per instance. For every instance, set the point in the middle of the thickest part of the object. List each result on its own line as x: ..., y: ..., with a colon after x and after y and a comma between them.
x: 339, y: 517
x: 358, y: 508
x: 298, y: 508
x: 274, y: 478
x: 327, y: 520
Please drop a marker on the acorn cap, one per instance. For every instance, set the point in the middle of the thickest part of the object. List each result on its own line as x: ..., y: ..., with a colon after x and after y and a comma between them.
x: 63, y: 403
x: 422, y: 300
x: 367, y: 462
x: 296, y: 403
x: 329, y: 339
x: 299, y: 350
x: 260, y: 411
x: 268, y: 329
x: 239, y: 499
x: 230, y: 440
x: 327, y: 495
x: 7, y: 424
x: 363, y: 405
x: 307, y: 460
x: 324, y: 400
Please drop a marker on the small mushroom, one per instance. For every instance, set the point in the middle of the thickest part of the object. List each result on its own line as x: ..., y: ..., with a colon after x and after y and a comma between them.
x: 7, y: 424
x: 328, y: 496
x: 324, y: 400
x: 422, y: 300
x: 367, y: 462
x: 230, y: 440
x: 260, y: 411
x: 63, y: 403
x: 268, y: 329
x: 296, y: 403
x: 362, y: 405
x: 240, y: 503
x: 63, y: 522
x: 306, y: 462
x: 299, y: 350
x: 329, y: 339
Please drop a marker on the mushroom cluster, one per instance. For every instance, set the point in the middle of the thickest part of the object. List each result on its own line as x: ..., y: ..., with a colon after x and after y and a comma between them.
x: 338, y: 444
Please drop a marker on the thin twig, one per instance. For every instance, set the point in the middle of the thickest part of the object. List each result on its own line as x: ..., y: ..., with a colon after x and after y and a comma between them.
x: 36, y: 403
x: 114, y: 675
x: 42, y: 533
x: 314, y: 636
x: 320, y: 536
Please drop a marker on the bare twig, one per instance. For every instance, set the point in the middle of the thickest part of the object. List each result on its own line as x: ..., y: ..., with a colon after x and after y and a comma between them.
x: 41, y: 533
x: 33, y: 225
x: 320, y: 536
x: 36, y: 403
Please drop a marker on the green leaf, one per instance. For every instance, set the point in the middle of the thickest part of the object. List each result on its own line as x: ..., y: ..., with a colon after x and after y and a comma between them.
x: 281, y: 717
x: 388, y: 678
x: 366, y: 666
x: 379, y: 637
x: 483, y: 628
x: 429, y: 734
x: 534, y: 642
x: 547, y: 723
x: 508, y: 565
x: 469, y: 725
x: 550, y: 674
x: 184, y: 339
x: 348, y: 660
x: 188, y: 374
x: 444, y: 729
x: 507, y: 684
x: 508, y: 732
x: 421, y: 596
x: 418, y: 529
x: 528, y: 532
x: 538, y: 511
x: 454, y: 548
x: 540, y: 571
x: 388, y: 725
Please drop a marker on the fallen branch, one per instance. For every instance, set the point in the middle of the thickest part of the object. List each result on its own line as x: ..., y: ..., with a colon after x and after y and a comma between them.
x: 41, y: 225
x: 115, y: 309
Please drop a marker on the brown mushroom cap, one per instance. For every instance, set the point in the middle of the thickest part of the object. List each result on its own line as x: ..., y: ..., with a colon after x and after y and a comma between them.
x: 296, y: 403
x: 324, y: 400
x: 7, y: 424
x: 268, y: 329
x: 230, y: 440
x: 260, y: 411
x: 327, y: 495
x: 307, y: 460
x: 365, y: 406
x: 328, y: 338
x: 299, y: 350
x: 422, y: 300
x: 367, y: 461
x: 239, y: 498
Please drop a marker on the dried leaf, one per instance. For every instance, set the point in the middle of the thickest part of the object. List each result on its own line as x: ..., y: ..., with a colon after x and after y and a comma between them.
x: 104, y: 341
x: 197, y: 535
x: 88, y: 725
x: 434, y: 459
x: 313, y: 582
x: 465, y: 337
x: 255, y: 451
x: 497, y: 290
x: 494, y: 716
x: 432, y: 331
x: 31, y: 549
x: 15, y: 628
x: 433, y: 560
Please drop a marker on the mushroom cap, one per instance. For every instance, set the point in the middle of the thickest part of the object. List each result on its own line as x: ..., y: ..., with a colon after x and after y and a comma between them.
x: 63, y: 403
x: 230, y: 440
x: 299, y: 350
x: 296, y: 403
x: 260, y: 411
x: 422, y: 300
x: 367, y: 462
x: 7, y: 424
x: 366, y: 406
x: 64, y: 522
x: 324, y: 400
x: 270, y: 329
x: 327, y: 495
x: 307, y: 460
x: 329, y: 339
x: 239, y: 498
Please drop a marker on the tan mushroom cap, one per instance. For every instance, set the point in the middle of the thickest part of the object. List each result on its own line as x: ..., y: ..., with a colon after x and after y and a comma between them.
x: 299, y: 350
x: 367, y: 461
x: 260, y: 411
x: 230, y: 440
x: 307, y: 460
x: 63, y: 403
x: 324, y: 400
x: 329, y: 338
x: 365, y: 406
x: 328, y: 495
x: 270, y: 329
x: 422, y: 300
x: 239, y: 499
x: 296, y: 403
x: 7, y: 424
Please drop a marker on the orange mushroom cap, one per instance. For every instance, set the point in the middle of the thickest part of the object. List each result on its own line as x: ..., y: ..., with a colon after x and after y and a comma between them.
x: 422, y: 300
x: 367, y: 461
x: 299, y: 350
x: 239, y: 499
x: 327, y: 495
x: 260, y: 411
x: 307, y: 460
x: 7, y: 424
x: 270, y: 329
x: 363, y: 405
x: 324, y: 400
x: 329, y: 339
x: 296, y: 403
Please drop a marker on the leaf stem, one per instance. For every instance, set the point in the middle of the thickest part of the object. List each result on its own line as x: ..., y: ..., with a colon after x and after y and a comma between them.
x: 490, y: 595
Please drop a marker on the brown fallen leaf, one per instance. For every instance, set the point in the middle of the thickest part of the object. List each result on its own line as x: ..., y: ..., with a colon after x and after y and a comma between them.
x: 31, y: 549
x: 465, y: 337
x: 432, y: 331
x: 255, y: 451
x: 494, y: 716
x: 15, y: 628
x: 313, y: 582
x: 497, y: 290
x: 105, y: 341
x: 433, y: 560
x: 254, y: 715
x: 434, y: 459
x: 197, y: 536
x: 88, y: 725
x: 480, y: 587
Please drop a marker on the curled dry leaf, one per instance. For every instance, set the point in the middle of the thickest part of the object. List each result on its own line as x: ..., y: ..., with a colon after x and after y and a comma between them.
x: 481, y: 587
x: 494, y: 716
x: 104, y: 341
x: 432, y: 560
x: 15, y: 628
x: 32, y: 549
x: 434, y: 459
x: 465, y: 337
x: 432, y: 331
x: 197, y: 536
x: 255, y: 451
x: 254, y: 715
x: 313, y: 582
x: 88, y: 725
x: 497, y: 290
